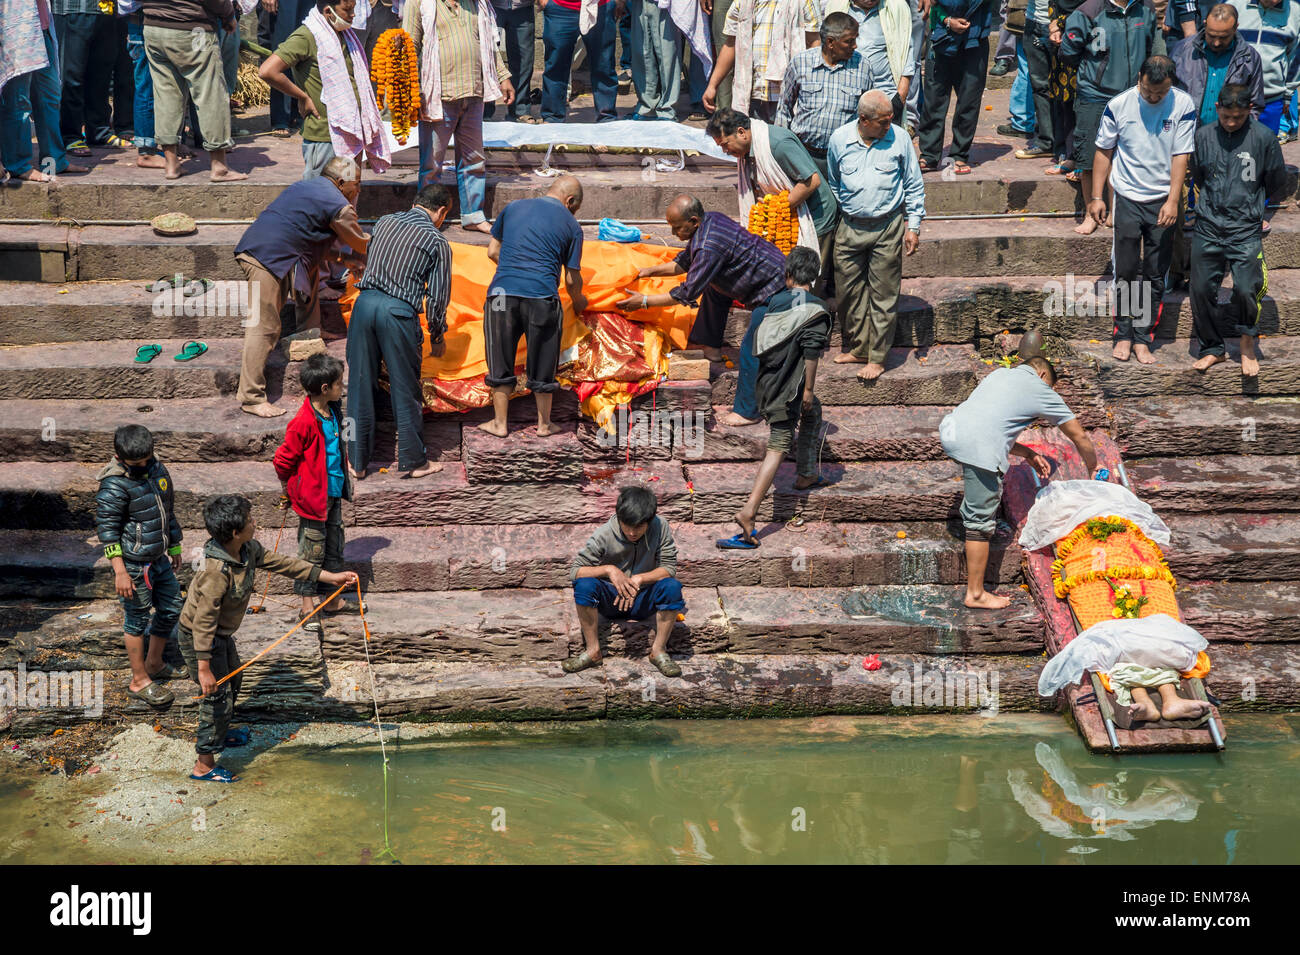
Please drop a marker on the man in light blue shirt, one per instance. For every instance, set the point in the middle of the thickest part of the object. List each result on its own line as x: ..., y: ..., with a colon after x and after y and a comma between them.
x: 872, y: 170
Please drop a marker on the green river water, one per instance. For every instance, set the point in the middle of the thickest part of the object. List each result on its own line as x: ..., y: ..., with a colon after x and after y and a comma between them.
x: 1012, y: 789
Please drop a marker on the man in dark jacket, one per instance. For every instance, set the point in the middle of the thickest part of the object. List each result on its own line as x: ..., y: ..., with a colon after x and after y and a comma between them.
x: 1216, y: 57
x: 959, y: 57
x: 142, y: 540
x: 1108, y: 40
x: 1238, y: 166
x: 788, y: 345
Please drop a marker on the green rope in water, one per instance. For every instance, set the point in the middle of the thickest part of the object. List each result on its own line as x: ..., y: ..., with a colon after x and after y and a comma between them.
x: 379, y: 727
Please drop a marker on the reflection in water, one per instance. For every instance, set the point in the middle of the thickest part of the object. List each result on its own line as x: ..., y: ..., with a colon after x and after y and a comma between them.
x: 1104, y: 810
x: 832, y: 789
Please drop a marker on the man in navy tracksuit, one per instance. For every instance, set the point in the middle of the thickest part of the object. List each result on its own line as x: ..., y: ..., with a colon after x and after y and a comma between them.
x: 1238, y: 164
x: 959, y: 57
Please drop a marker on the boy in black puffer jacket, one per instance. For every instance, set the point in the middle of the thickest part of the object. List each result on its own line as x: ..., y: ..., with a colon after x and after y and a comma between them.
x: 142, y: 540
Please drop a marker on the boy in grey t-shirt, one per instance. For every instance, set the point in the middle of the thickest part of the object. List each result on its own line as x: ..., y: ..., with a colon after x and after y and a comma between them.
x: 980, y: 434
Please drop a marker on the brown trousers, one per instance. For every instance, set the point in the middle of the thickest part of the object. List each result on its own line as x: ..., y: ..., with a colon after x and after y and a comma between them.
x: 868, y: 278
x: 266, y: 296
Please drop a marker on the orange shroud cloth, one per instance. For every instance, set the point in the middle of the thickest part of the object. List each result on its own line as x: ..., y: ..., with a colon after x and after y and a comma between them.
x: 607, y: 269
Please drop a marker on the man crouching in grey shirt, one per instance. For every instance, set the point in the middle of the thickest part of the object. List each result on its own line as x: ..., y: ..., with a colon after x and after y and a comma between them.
x: 981, y: 432
x: 625, y: 571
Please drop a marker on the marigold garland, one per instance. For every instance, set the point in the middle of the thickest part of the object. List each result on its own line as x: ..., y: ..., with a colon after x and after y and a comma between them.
x: 771, y: 218
x: 1100, y: 529
x: 395, y: 73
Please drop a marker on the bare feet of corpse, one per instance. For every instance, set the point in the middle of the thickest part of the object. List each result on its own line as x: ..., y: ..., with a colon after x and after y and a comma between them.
x: 425, y: 470
x: 1143, y: 708
x: 1249, y: 360
x: 986, y: 601
x: 1209, y: 361
x: 1180, y: 709
x: 264, y: 410
x: 873, y: 371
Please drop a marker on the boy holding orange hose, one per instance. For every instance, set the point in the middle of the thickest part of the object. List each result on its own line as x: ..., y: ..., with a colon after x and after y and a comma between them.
x: 214, y: 609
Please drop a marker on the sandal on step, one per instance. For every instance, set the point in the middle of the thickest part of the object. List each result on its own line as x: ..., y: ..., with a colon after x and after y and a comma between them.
x: 739, y: 541
x: 190, y: 351
x: 348, y: 607
x: 115, y: 141
x: 312, y: 625
x: 147, y: 353
x: 218, y: 774
x: 665, y: 665
x: 77, y: 147
x: 169, y: 672
x: 153, y: 694
x: 581, y: 662
x: 237, y: 738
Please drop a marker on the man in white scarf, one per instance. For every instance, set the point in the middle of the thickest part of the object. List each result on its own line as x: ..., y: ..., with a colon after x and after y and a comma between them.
x: 333, y: 91
x: 460, y: 69
x: 761, y: 35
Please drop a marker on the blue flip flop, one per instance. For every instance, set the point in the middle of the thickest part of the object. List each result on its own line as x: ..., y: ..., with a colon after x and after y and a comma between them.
x: 237, y: 737
x: 190, y: 351
x: 147, y: 353
x: 738, y: 542
x: 218, y: 774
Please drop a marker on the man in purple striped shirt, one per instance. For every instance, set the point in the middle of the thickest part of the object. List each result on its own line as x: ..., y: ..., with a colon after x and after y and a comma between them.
x: 723, y: 262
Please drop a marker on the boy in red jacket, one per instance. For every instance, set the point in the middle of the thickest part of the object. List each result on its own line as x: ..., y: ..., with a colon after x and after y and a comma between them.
x: 312, y: 466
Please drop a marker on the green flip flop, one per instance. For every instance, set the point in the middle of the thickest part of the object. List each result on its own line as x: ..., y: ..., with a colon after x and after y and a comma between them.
x: 153, y: 694
x: 581, y: 662
x: 666, y: 665
x: 190, y: 351
x: 147, y: 353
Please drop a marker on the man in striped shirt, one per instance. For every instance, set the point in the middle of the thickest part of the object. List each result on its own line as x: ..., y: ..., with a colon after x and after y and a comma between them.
x: 466, y: 79
x: 408, y: 271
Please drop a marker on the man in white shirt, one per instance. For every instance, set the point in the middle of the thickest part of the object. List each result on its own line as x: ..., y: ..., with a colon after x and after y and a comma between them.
x: 1143, y: 142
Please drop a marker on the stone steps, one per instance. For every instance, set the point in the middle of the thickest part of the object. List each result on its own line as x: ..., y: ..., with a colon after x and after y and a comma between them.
x: 1172, y: 373
x: 69, y: 564
x: 1217, y: 484
x: 1174, y: 426
x: 978, y: 247
x: 60, y: 495
x: 930, y: 311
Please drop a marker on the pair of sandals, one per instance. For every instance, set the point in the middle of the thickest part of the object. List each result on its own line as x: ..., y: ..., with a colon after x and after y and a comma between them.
x: 156, y: 695
x: 584, y: 660
x: 189, y: 351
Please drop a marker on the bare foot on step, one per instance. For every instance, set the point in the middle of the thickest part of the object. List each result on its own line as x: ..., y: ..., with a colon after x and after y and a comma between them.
x: 492, y: 428
x: 1087, y: 227
x: 430, y: 468
x: 1143, y: 354
x: 1208, y: 361
x: 873, y: 371
x: 848, y: 358
x: 1122, y: 351
x: 1249, y: 360
x: 546, y: 430
x: 264, y: 410
x: 733, y: 420
x: 986, y: 601
x: 229, y: 175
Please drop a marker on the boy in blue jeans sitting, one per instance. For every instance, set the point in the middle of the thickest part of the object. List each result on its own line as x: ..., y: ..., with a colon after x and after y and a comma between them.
x: 625, y: 571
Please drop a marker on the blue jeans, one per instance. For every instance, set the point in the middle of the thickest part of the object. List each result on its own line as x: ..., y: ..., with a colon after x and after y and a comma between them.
x: 597, y: 592
x: 625, y: 43
x: 1289, y: 116
x: 33, y: 98
x: 143, y: 111
x: 1022, y: 94
x: 746, y: 401
x: 462, y: 118
x: 156, y: 589
x: 520, y: 31
x: 559, y: 39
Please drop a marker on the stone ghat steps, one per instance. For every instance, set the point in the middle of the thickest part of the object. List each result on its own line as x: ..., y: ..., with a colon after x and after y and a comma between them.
x: 512, y: 626
x: 931, y: 311
x: 612, y: 186
x: 980, y: 247
x: 1217, y: 483
x: 295, y: 683
x: 69, y: 564
x: 1178, y: 426
x: 1172, y: 373
x: 61, y: 494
